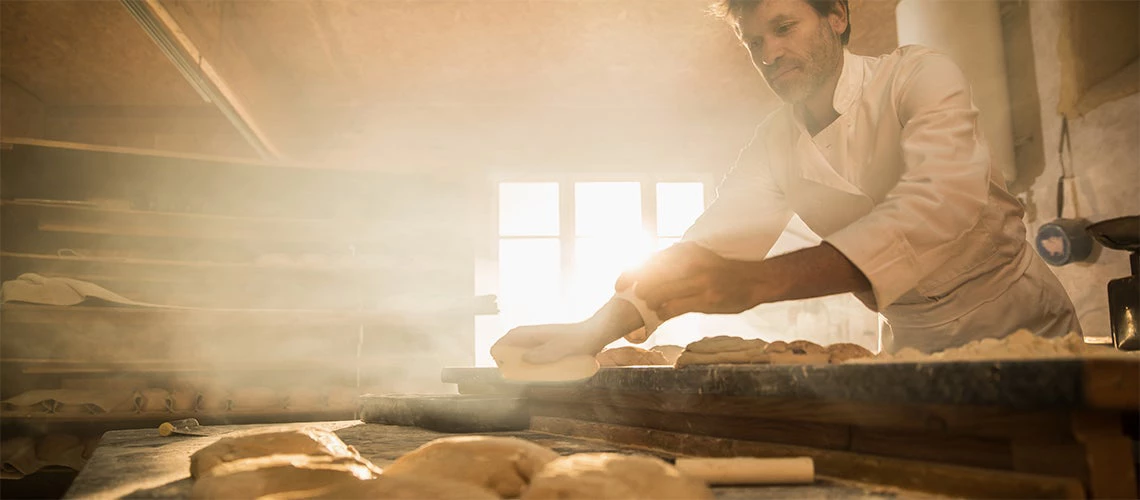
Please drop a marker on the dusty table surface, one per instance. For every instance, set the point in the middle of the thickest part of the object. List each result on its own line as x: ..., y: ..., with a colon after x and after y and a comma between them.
x: 141, y: 464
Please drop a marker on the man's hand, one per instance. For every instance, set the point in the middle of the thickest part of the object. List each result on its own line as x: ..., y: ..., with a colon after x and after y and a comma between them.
x: 688, y: 278
x: 550, y: 343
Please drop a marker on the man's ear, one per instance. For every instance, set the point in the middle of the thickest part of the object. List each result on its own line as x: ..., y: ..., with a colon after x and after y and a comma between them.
x: 838, y: 18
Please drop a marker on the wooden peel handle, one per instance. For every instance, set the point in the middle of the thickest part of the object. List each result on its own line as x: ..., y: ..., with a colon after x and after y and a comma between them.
x: 747, y: 470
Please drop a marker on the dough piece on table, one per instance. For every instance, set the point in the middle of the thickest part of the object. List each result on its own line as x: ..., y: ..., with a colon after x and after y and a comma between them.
x: 630, y: 356
x: 844, y: 352
x: 724, y: 343
x: 63, y: 450
x: 805, y: 347
x: 184, y: 399
x: 155, y: 399
x: 600, y: 476
x: 309, y: 441
x: 213, y: 398
x: 908, y: 354
x: 749, y: 357
x: 777, y: 346
x: 504, y: 465
x: 258, y: 477
x: 570, y: 368
x: 18, y: 458
x: 671, y: 352
x: 393, y: 488
x: 791, y: 358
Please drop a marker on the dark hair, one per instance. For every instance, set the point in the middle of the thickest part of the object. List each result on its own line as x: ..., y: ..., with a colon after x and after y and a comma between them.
x: 732, y: 10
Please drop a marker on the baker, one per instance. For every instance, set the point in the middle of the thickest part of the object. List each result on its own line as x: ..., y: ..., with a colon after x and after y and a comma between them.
x: 884, y: 158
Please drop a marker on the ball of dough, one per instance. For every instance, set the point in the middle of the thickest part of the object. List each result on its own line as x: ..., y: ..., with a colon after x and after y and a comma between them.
x: 393, y: 488
x: 805, y: 347
x: 776, y: 347
x: 309, y: 441
x: 844, y: 352
x: 504, y: 465
x: 630, y: 356
x: 602, y: 476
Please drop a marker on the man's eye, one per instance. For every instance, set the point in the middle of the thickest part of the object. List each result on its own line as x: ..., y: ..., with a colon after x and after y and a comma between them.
x: 784, y: 28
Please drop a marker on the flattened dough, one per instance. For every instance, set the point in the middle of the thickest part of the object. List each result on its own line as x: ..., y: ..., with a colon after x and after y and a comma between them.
x: 737, y: 351
x: 258, y: 477
x: 603, y: 476
x: 671, y: 352
x: 309, y: 441
x: 630, y: 356
x: 724, y: 343
x: 748, y: 357
x: 502, y: 464
x: 393, y: 488
x: 844, y: 352
x: 570, y: 368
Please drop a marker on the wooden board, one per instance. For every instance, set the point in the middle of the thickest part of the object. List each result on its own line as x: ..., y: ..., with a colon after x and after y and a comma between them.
x: 1027, y: 385
x: 447, y: 412
x: 936, y: 478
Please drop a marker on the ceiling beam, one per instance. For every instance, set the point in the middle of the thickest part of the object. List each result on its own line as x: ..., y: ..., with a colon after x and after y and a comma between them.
x: 184, y: 54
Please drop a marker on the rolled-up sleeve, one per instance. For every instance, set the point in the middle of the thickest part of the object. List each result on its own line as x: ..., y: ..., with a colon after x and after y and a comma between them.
x: 940, y: 194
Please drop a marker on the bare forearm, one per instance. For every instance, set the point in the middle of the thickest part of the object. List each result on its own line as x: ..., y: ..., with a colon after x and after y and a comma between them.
x: 614, y: 320
x: 812, y: 272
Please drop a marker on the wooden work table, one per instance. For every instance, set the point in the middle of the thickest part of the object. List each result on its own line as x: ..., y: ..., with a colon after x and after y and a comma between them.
x: 141, y: 464
x: 1039, y: 428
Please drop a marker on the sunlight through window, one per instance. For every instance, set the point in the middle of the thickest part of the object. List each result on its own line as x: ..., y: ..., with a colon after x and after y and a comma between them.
x: 609, y: 235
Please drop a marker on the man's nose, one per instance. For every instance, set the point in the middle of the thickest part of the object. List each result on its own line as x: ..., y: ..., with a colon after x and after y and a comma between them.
x: 771, y: 52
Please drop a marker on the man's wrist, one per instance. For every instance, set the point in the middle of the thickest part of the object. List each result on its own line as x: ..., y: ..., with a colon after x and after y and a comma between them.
x: 614, y: 320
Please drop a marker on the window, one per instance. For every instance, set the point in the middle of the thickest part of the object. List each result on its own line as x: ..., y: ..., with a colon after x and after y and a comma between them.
x: 561, y: 245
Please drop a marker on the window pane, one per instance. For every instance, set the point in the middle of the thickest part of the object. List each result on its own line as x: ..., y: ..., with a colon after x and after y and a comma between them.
x: 597, y: 264
x: 678, y: 206
x: 530, y: 281
x: 528, y: 209
x: 607, y: 208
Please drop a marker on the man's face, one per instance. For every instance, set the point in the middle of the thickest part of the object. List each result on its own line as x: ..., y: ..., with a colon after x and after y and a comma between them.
x: 795, y: 48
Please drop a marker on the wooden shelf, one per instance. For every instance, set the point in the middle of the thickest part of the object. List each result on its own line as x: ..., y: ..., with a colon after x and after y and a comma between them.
x: 140, y: 316
x: 135, y: 265
x: 31, y: 366
x: 17, y: 418
x: 206, y: 284
x: 81, y: 217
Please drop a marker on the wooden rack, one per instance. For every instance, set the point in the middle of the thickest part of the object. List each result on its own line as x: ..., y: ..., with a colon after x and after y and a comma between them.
x: 266, y: 274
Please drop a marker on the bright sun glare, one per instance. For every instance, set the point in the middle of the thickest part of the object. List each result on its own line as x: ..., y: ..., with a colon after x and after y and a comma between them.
x: 609, y: 236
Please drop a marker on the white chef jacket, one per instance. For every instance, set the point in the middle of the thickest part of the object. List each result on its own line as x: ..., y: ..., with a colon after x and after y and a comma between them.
x: 902, y: 183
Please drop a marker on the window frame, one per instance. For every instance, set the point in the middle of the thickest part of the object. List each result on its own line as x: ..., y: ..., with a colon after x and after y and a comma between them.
x: 566, y: 215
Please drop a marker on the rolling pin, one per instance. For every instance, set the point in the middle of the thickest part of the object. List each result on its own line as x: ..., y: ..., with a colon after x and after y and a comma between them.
x: 748, y: 470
